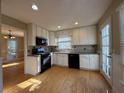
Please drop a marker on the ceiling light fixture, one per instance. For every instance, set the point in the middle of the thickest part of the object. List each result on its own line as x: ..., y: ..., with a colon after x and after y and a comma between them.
x: 34, y: 7
x: 10, y: 36
x: 76, y: 23
x: 59, y: 27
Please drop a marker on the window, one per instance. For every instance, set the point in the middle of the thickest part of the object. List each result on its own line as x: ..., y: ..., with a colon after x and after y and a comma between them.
x: 11, y: 50
x: 122, y: 36
x: 64, y: 43
x: 106, y: 60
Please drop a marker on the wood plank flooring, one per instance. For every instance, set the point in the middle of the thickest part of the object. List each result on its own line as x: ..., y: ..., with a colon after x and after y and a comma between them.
x: 55, y: 80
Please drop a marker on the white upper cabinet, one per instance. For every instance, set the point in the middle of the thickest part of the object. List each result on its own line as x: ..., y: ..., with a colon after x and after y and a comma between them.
x: 41, y: 32
x: 92, y: 35
x: 52, y: 39
x: 31, y: 34
x: 75, y: 37
x: 85, y: 36
x: 35, y: 30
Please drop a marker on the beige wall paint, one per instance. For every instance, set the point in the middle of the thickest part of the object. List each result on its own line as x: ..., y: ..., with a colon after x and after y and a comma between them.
x: 13, y: 22
x: 20, y: 49
x: 116, y: 63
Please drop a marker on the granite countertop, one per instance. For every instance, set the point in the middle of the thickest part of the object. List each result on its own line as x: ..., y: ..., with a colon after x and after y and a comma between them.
x: 75, y: 53
x: 33, y: 55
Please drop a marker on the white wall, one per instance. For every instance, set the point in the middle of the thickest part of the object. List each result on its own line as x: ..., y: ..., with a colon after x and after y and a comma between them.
x: 116, y: 62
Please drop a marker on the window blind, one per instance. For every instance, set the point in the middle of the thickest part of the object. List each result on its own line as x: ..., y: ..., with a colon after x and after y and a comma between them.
x: 64, y: 42
x: 122, y: 34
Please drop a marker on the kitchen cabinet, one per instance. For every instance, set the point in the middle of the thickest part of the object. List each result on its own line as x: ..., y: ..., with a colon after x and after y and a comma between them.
x: 94, y: 62
x: 92, y: 35
x: 75, y: 37
x: 61, y: 59
x: 84, y: 36
x: 33, y: 65
x: 41, y: 32
x: 52, y: 39
x: 31, y: 34
x: 84, y: 61
x: 36, y: 31
x: 89, y: 61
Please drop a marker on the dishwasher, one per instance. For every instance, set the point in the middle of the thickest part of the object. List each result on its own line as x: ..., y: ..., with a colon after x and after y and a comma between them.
x: 73, y: 61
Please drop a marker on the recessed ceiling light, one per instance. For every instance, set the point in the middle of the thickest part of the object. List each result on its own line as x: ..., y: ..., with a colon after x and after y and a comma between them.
x: 59, y: 27
x: 76, y: 23
x: 34, y: 7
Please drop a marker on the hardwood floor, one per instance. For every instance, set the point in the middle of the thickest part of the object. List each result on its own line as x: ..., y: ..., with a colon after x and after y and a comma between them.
x: 54, y: 80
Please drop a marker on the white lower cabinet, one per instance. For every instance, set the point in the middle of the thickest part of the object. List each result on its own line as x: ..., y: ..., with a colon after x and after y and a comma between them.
x: 32, y: 65
x: 84, y: 62
x: 89, y: 61
x: 60, y: 59
x: 94, y: 62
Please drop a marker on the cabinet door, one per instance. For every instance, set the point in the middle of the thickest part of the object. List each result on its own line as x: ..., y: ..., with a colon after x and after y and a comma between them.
x: 55, y: 59
x: 84, y: 62
x: 31, y: 66
x: 38, y: 65
x: 83, y: 37
x: 44, y: 33
x: 92, y: 35
x: 65, y: 60
x: 39, y: 31
x: 60, y: 59
x: 52, y: 39
x: 75, y: 36
x: 31, y: 34
x: 94, y: 62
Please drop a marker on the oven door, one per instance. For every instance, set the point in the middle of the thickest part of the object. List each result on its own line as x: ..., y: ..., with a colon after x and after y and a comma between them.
x: 45, y: 61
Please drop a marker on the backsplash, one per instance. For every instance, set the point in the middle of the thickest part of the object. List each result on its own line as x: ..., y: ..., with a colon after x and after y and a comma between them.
x: 75, y: 48
x: 85, y: 48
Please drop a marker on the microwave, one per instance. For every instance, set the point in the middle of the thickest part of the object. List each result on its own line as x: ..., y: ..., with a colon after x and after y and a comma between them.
x: 41, y: 41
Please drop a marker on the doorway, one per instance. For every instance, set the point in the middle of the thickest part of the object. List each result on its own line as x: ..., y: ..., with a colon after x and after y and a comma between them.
x: 106, y: 47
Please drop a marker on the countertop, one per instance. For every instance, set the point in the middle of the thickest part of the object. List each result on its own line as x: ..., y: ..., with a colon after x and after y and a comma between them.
x: 33, y: 55
x: 66, y: 53
x: 74, y: 53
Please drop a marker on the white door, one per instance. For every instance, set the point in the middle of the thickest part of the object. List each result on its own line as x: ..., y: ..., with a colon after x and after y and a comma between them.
x: 106, y: 50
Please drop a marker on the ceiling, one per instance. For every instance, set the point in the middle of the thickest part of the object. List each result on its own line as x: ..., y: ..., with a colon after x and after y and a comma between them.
x: 53, y: 13
x: 15, y: 31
